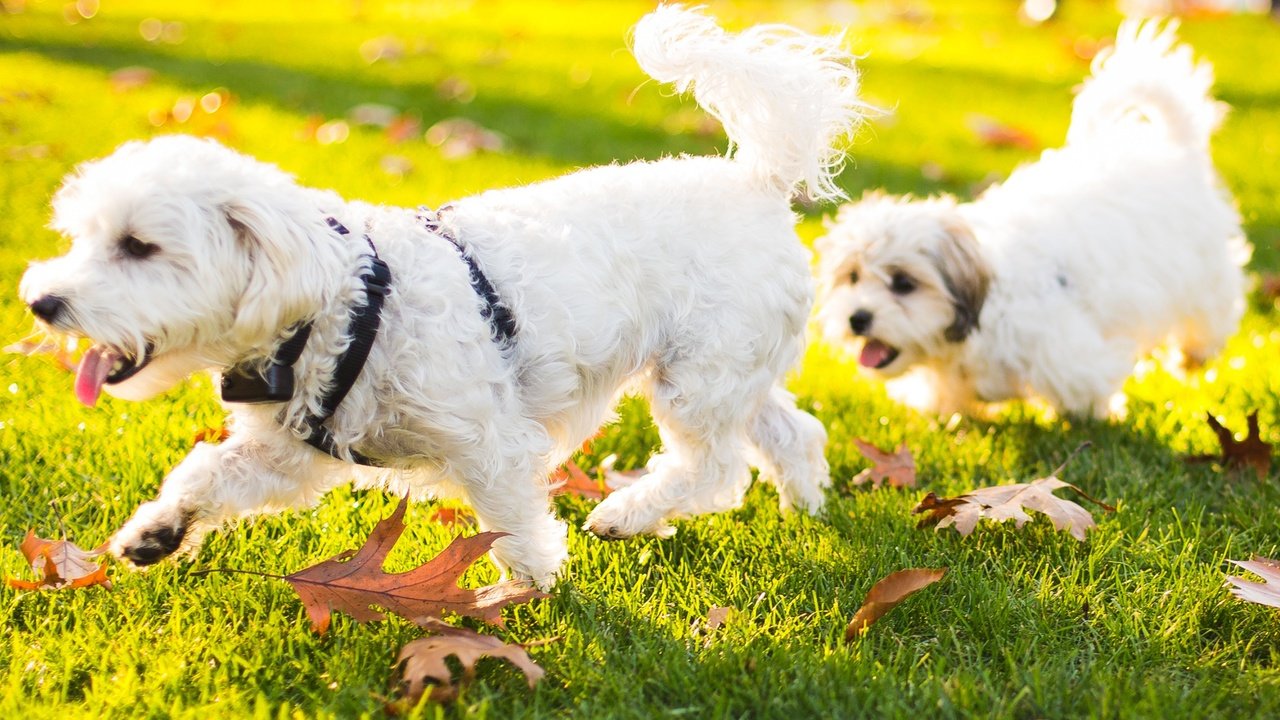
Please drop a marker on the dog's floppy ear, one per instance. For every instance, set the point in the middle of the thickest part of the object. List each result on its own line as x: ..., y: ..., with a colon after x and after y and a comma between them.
x: 277, y: 251
x: 965, y: 273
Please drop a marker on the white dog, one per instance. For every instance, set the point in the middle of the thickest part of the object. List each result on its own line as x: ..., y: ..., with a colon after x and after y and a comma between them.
x: 1053, y: 284
x: 513, y: 321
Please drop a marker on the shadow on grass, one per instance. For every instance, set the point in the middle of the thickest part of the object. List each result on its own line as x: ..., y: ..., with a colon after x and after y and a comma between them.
x: 547, y: 128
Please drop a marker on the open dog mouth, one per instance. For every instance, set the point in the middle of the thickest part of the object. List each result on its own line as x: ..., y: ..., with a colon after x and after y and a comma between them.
x: 105, y: 365
x: 876, y: 354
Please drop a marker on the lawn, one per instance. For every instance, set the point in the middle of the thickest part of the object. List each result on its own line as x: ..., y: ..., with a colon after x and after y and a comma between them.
x: 1135, y: 622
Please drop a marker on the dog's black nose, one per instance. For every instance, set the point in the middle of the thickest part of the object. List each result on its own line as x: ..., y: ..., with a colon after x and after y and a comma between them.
x: 860, y: 322
x: 48, y: 307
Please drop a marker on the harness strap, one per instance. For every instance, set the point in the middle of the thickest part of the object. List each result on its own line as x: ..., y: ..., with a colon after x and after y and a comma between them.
x: 494, y: 310
x: 363, y: 330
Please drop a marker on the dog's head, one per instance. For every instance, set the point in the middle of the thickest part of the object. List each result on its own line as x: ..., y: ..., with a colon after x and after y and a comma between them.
x: 182, y: 257
x: 902, y: 281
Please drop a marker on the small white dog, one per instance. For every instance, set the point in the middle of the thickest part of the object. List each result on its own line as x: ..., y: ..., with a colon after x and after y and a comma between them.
x: 1053, y: 284
x: 513, y: 321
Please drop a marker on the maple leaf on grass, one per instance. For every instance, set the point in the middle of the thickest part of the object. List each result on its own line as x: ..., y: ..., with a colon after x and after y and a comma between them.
x: 426, y: 672
x: 570, y: 479
x: 210, y: 435
x: 887, y: 593
x: 354, y: 582
x: 1010, y: 502
x: 61, y: 564
x: 993, y: 133
x: 1262, y: 593
x: 453, y: 517
x: 897, y: 468
x: 1252, y: 452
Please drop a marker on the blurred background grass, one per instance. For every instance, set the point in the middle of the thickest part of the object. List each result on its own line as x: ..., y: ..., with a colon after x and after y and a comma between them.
x: 391, y: 102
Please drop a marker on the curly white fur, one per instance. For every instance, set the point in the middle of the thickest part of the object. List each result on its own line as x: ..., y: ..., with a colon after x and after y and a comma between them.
x: 682, y: 278
x: 1053, y: 284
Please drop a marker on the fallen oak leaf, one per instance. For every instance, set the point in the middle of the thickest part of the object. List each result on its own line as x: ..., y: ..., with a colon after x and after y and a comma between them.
x: 1266, y: 592
x: 130, y: 78
x: 716, y: 616
x: 570, y: 479
x: 1010, y: 502
x: 618, y: 479
x: 938, y: 508
x: 424, y: 666
x: 452, y: 517
x: 897, y: 468
x: 403, y: 128
x: 1252, y: 452
x: 354, y: 585
x: 354, y: 582
x: 213, y: 436
x: 887, y: 593
x: 61, y: 564
x: 993, y: 133
x: 1269, y: 286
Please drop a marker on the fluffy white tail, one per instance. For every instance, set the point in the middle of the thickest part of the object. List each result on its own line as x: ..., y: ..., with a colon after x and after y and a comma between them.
x: 785, y: 98
x: 1149, y: 77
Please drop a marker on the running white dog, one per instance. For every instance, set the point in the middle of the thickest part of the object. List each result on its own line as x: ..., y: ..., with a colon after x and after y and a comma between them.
x: 513, y: 321
x: 1053, y: 284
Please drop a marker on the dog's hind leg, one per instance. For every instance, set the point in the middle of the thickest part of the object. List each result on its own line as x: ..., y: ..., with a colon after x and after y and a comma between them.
x: 702, y: 416
x: 788, y: 446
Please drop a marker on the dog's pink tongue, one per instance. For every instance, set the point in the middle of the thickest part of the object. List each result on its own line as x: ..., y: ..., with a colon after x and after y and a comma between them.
x: 95, y: 366
x: 873, y: 354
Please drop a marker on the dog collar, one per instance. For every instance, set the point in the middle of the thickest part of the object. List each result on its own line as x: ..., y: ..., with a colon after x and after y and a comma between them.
x: 494, y: 310
x: 244, y: 383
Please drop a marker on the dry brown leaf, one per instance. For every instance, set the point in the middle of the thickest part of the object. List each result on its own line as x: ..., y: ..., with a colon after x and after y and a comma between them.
x: 898, y: 468
x: 61, y: 564
x: 716, y: 616
x: 131, y: 78
x: 1252, y: 452
x: 570, y: 479
x: 403, y: 128
x: 60, y: 353
x: 1269, y: 286
x: 618, y: 479
x: 425, y: 668
x: 374, y: 114
x: 1266, y: 592
x: 213, y: 436
x: 993, y: 133
x: 887, y: 593
x: 459, y: 138
x: 356, y: 584
x: 1010, y: 502
x: 453, y: 517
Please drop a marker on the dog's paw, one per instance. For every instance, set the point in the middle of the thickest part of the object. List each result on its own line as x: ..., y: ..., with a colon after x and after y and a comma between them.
x: 535, y: 557
x: 801, y: 498
x: 615, y: 518
x: 153, y: 533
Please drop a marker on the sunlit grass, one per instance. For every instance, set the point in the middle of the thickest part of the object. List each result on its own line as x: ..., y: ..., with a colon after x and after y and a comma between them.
x: 1029, y: 623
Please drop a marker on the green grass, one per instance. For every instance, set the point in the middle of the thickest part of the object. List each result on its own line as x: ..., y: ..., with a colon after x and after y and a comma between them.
x: 1133, y: 623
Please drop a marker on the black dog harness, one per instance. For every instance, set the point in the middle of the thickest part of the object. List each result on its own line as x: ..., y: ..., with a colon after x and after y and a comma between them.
x: 495, y: 311
x: 244, y: 383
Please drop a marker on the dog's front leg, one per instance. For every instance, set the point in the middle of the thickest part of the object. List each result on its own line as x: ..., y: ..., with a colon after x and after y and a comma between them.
x: 214, y: 484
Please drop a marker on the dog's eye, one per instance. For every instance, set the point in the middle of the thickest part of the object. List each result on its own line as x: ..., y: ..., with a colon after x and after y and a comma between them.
x: 902, y: 283
x: 135, y: 248
x: 853, y: 278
